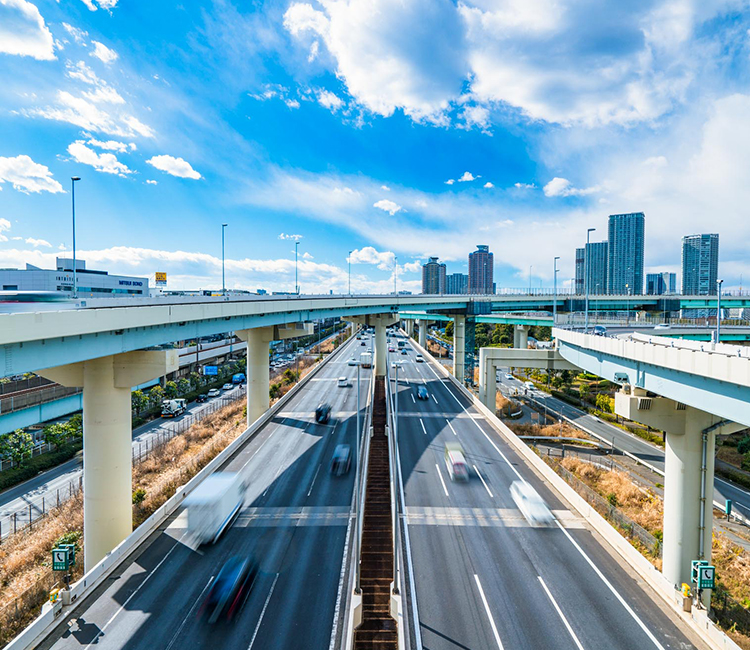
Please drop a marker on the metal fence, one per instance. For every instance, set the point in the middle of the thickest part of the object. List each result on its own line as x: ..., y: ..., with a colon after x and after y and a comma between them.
x: 38, y: 507
x: 730, y: 613
x: 34, y: 397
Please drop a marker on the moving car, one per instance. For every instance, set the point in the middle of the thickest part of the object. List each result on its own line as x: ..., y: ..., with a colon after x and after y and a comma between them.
x: 342, y: 382
x: 214, y: 392
x: 422, y: 392
x: 238, y: 378
x: 171, y: 408
x: 229, y: 589
x: 403, y: 350
x: 456, y: 462
x: 509, y: 376
x: 213, y: 505
x: 662, y: 326
x: 528, y: 385
x: 227, y: 387
x: 352, y: 362
x: 599, y: 330
x: 342, y: 457
x: 363, y: 343
x: 323, y: 413
x: 420, y: 358
x: 530, y: 504
x: 201, y: 398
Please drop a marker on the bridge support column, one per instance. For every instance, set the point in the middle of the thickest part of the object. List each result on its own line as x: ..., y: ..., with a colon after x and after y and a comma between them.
x: 107, y: 439
x: 487, y: 379
x: 422, y: 332
x: 459, y: 347
x: 258, y: 372
x: 380, y: 322
x: 409, y: 327
x: 521, y: 336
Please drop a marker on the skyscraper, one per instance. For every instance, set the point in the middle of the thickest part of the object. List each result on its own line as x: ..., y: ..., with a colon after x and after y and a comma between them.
x: 658, y: 284
x: 580, y: 270
x: 433, y: 277
x: 481, y: 270
x: 626, y: 243
x: 457, y: 283
x: 597, y: 263
x: 700, y: 264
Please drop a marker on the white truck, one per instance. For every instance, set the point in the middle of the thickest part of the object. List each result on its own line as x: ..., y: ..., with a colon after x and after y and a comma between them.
x: 365, y: 359
x: 171, y: 408
x: 213, y: 505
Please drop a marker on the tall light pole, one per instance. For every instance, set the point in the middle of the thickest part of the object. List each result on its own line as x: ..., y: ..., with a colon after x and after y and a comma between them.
x: 718, y: 311
x: 296, y: 283
x: 349, y: 259
x: 223, y: 281
x: 395, y: 275
x: 554, y: 303
x: 73, y: 180
x: 531, y: 266
x: 586, y: 278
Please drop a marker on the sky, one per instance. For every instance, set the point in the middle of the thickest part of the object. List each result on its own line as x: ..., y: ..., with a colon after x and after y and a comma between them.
x: 376, y: 132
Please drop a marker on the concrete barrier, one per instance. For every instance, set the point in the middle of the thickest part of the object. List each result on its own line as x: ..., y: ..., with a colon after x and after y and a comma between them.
x: 52, y: 613
x: 697, y: 619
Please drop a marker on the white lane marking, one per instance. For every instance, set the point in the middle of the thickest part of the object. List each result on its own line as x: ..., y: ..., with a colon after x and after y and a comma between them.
x: 314, y: 477
x: 445, y: 489
x: 273, y: 480
x: 197, y: 600
x: 423, y: 429
x: 129, y: 598
x: 489, y: 614
x: 482, y: 479
x: 561, y: 615
x: 433, y: 397
x: 263, y: 612
x: 406, y: 379
x: 413, y: 400
x: 617, y: 595
x: 451, y: 426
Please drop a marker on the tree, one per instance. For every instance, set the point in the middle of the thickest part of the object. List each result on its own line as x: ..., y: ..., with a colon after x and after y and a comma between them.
x: 274, y: 391
x: 584, y: 390
x: 195, y: 380
x: 183, y: 385
x: 156, y: 395
x: 170, y: 390
x: 448, y: 329
x: 138, y: 401
x: 743, y: 446
x: 17, y: 446
x: 56, y: 434
x: 604, y: 403
x: 75, y: 424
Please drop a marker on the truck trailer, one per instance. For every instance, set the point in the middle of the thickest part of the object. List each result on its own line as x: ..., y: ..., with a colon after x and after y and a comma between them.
x: 213, y: 505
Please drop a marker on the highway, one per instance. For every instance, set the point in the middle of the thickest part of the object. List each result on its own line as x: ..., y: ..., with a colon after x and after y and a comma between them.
x: 484, y: 578
x: 649, y: 454
x: 295, y: 523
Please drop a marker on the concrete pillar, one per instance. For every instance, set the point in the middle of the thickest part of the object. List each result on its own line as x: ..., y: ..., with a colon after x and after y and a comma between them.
x: 459, y: 347
x: 487, y: 379
x: 258, y: 372
x: 422, y: 333
x: 521, y: 336
x: 381, y: 348
x: 107, y: 437
x: 409, y: 327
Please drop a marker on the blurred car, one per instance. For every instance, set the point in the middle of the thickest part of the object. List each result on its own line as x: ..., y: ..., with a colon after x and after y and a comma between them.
x: 352, y: 362
x: 391, y: 349
x: 363, y: 343
x: 323, y: 413
x: 214, y: 392
x: 227, y: 387
x: 420, y: 358
x: 202, y: 397
x: 403, y: 350
x: 342, y: 458
x: 662, y: 326
x: 455, y: 461
x: 599, y: 330
x: 508, y: 376
x: 530, y: 504
x: 342, y: 382
x: 229, y: 589
x: 422, y: 392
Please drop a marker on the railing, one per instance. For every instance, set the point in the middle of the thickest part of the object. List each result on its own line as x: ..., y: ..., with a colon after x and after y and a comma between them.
x: 363, y: 459
x: 34, y: 397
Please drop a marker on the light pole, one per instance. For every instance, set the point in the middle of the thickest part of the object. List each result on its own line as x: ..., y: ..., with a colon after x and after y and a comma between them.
x: 358, y: 489
x: 531, y: 266
x: 718, y: 311
x: 554, y: 303
x: 586, y: 278
x: 73, y: 180
x: 296, y: 283
x: 395, y: 275
x: 223, y: 281
x: 349, y: 259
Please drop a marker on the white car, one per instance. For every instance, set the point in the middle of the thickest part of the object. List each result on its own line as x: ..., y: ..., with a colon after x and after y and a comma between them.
x: 508, y: 376
x: 420, y: 358
x: 352, y: 362
x: 214, y: 392
x: 227, y: 387
x: 530, y: 504
x: 342, y: 382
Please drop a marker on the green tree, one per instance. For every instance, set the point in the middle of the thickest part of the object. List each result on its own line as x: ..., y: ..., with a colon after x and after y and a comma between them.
x: 195, y: 380
x: 183, y: 385
x: 743, y: 446
x: 170, y: 390
x: 541, y: 332
x: 56, y: 434
x: 274, y: 391
x: 604, y: 403
x: 449, y: 329
x: 584, y: 390
x: 75, y: 424
x: 156, y: 395
x: 17, y: 446
x: 138, y: 400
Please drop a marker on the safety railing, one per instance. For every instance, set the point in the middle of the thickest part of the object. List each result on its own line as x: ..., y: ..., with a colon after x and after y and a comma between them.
x: 363, y: 460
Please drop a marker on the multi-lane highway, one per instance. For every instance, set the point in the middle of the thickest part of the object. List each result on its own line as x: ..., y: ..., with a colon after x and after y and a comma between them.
x: 295, y: 523
x: 485, y: 578
x: 651, y: 455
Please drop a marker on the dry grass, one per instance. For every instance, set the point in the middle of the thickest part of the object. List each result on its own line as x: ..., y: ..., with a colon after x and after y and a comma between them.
x: 732, y: 564
x: 500, y: 401
x: 730, y: 455
x: 563, y: 430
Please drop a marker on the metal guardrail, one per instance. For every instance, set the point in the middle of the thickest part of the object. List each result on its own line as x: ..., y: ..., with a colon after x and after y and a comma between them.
x: 35, y: 397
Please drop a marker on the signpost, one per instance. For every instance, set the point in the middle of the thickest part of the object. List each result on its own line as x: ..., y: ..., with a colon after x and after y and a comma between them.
x: 60, y: 559
x: 210, y: 370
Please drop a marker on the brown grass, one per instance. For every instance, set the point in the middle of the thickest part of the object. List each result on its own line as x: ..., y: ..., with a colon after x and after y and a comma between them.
x: 563, y: 430
x: 730, y: 455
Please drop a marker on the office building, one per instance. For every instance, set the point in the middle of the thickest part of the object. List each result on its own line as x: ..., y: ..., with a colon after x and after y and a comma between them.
x: 626, y: 243
x: 597, y: 263
x: 433, y: 277
x: 481, y: 270
x: 700, y: 264
x: 659, y: 284
x: 457, y: 283
x: 580, y: 270
x: 91, y: 283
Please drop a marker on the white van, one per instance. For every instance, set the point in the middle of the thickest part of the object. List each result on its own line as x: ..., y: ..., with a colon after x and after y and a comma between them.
x: 455, y: 462
x: 529, y: 385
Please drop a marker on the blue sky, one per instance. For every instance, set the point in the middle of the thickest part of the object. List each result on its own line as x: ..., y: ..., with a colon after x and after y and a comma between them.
x: 393, y: 129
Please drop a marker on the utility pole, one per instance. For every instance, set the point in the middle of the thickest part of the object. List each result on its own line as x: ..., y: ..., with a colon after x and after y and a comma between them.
x: 554, y: 303
x: 395, y: 275
x: 296, y: 283
x: 223, y: 278
x: 718, y: 311
x: 349, y: 259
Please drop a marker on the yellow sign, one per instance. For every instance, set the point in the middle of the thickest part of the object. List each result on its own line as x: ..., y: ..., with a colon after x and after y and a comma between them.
x: 161, y: 278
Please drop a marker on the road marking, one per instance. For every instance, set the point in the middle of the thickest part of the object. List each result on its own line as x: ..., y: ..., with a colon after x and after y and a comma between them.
x: 482, y: 479
x: 314, y: 477
x: 423, y: 429
x: 445, y: 489
x: 406, y: 379
x: 197, y: 600
x: 489, y: 614
x: 263, y: 612
x: 413, y: 400
x: 129, y: 598
x: 562, y: 616
x: 611, y: 588
x: 451, y: 426
x: 433, y: 397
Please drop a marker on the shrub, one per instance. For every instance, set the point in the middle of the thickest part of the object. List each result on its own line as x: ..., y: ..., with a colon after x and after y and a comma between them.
x: 612, y: 499
x: 16, y: 475
x: 138, y: 496
x: 743, y: 446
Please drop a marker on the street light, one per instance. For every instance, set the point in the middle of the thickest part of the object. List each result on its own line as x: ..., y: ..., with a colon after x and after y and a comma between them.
x: 554, y: 304
x: 718, y: 311
x: 349, y: 259
x: 223, y: 282
x: 73, y: 180
x: 395, y: 275
x: 586, y: 277
x: 531, y: 266
x: 296, y: 283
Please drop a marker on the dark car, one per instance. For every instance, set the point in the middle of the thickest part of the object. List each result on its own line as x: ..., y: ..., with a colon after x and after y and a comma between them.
x: 202, y: 398
x: 323, y: 413
x: 403, y: 350
x: 229, y: 590
x: 600, y: 330
x: 422, y: 392
x: 363, y: 343
x: 342, y: 458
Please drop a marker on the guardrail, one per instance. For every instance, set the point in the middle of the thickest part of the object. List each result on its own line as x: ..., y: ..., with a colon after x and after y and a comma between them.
x: 52, y: 613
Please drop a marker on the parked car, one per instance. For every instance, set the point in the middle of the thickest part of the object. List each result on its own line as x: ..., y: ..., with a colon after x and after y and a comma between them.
x: 214, y: 392
x: 342, y: 458
x: 229, y: 589
x: 422, y: 392
x: 323, y: 413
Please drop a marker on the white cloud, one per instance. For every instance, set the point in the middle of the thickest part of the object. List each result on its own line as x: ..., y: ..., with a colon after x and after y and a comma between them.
x: 174, y: 166
x: 475, y: 116
x: 412, y: 267
x: 307, y: 256
x: 524, y: 186
x: 102, y: 162
x: 369, y: 255
x: 81, y: 72
x: 488, y: 185
x: 113, y: 145
x: 329, y: 100
x: 151, y: 182
x: 450, y: 181
x: 4, y: 225
x: 291, y: 103
x: 467, y: 177
x: 107, y: 5
x: 79, y: 35
x: 36, y: 243
x: 385, y: 188
x: 314, y: 50
x: 27, y: 176
x: 23, y: 31
x: 294, y: 237
x: 103, y: 53
x: 387, y: 206
x: 655, y: 161
x: 105, y: 94
x: 562, y: 187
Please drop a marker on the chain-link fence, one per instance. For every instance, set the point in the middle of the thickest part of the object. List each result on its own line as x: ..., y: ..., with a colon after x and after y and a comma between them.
x: 729, y: 613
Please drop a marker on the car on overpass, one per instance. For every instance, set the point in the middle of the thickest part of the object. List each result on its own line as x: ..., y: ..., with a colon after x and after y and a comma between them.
x: 323, y: 413
x: 422, y: 392
x: 229, y: 589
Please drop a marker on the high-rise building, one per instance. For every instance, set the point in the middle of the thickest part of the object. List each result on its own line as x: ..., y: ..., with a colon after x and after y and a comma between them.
x: 457, y: 283
x: 626, y: 244
x: 700, y: 264
x: 481, y: 270
x: 597, y: 263
x: 433, y: 277
x: 659, y: 284
x: 580, y: 270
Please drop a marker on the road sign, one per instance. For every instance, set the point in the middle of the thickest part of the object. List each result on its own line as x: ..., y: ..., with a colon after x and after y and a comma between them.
x: 210, y: 370
x: 728, y: 507
x: 60, y: 559
x: 706, y: 577
x: 160, y: 279
x: 694, y: 566
x: 71, y: 552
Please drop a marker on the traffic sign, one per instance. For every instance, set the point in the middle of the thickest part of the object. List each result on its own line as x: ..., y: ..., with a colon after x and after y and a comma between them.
x: 60, y: 559
x: 694, y: 566
x: 71, y: 552
x: 706, y: 577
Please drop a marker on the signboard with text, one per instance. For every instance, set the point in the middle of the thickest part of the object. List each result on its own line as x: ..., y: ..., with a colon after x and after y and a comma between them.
x: 210, y: 370
x: 160, y: 279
